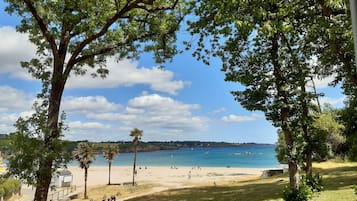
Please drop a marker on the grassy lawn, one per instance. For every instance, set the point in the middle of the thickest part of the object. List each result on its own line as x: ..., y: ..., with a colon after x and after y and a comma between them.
x: 338, y: 179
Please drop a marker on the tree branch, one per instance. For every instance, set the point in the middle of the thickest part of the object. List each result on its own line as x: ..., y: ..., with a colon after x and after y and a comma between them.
x: 102, y: 31
x: 104, y: 51
x: 43, y: 27
x: 152, y: 10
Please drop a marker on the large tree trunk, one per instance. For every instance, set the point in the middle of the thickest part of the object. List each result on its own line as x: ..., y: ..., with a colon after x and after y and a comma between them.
x: 293, y: 175
x: 293, y: 165
x: 280, y: 82
x: 44, y: 174
x: 305, y: 128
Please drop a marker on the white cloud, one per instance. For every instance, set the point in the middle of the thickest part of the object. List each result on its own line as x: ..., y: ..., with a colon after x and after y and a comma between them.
x: 87, y: 125
x: 331, y: 101
x: 126, y: 73
x: 12, y: 99
x: 157, y: 113
x: 237, y: 118
x: 88, y: 104
x: 15, y: 47
x: 219, y: 110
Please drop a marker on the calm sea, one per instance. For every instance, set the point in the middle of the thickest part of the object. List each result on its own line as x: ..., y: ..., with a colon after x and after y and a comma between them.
x: 245, y: 156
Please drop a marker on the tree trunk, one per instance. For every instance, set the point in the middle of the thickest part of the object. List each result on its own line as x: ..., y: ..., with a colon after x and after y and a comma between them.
x: 43, y: 180
x: 293, y: 175
x: 280, y: 82
x: 293, y: 165
x: 308, y: 164
x: 44, y: 174
x: 110, y: 167
x: 134, y: 166
x: 85, y: 182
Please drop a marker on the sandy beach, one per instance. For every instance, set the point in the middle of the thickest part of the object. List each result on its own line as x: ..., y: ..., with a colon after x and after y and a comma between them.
x: 165, y: 176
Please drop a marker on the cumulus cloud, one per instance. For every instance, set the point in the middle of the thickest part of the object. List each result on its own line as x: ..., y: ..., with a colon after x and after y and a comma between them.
x: 331, y: 101
x: 219, y: 110
x: 126, y: 73
x: 12, y: 99
x: 96, y: 104
x: 87, y: 125
x: 15, y: 47
x: 157, y: 112
x: 237, y: 118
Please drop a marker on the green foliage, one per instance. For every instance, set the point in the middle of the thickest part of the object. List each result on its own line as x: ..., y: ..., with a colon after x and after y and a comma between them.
x: 136, y: 134
x: 110, y: 151
x: 283, y: 154
x: 315, y: 182
x: 304, y: 193
x: 9, y: 186
x: 327, y: 137
x: 348, y: 119
x: 84, y: 154
x: 306, y: 189
x: 28, y: 149
x: 87, y: 32
x: 72, y: 36
x: 355, y: 189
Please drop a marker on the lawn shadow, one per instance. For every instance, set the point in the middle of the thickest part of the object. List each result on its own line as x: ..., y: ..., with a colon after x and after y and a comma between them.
x: 337, y: 178
x: 243, y: 192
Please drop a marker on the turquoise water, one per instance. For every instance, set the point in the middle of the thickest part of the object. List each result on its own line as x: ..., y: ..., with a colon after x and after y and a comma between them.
x: 245, y: 156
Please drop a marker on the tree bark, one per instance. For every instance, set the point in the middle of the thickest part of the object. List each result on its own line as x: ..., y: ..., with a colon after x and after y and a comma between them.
x: 44, y: 174
x: 284, y: 111
x: 305, y: 128
x: 43, y: 180
x: 293, y: 175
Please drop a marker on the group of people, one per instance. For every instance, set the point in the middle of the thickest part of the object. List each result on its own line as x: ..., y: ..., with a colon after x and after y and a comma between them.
x: 112, y: 198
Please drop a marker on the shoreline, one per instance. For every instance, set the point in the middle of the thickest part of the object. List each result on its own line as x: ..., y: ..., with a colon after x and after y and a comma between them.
x: 161, y: 175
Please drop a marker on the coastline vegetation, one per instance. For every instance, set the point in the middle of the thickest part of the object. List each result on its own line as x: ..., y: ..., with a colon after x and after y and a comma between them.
x: 127, y: 146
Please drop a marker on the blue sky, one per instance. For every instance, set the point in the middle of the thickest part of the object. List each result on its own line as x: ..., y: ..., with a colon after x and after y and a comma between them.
x: 186, y: 101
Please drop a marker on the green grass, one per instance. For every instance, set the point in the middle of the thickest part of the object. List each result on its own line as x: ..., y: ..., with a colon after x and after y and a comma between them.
x: 338, y: 180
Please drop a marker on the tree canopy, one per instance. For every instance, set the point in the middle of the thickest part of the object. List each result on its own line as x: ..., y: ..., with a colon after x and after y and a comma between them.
x: 72, y: 36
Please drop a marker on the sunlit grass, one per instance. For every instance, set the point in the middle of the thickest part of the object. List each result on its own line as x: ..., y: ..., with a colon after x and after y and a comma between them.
x: 105, y: 191
x: 338, y: 179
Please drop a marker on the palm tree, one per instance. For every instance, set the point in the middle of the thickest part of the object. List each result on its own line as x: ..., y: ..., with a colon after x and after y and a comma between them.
x: 109, y: 152
x: 84, y: 154
x: 136, y: 134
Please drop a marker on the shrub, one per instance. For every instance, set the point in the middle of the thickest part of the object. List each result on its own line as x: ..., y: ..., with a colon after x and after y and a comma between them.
x: 9, y: 186
x: 355, y: 188
x: 304, y: 193
x: 315, y: 182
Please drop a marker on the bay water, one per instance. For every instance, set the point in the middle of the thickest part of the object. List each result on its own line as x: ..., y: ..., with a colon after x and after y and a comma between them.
x: 254, y: 156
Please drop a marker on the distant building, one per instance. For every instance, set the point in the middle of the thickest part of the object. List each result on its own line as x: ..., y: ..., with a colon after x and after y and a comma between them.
x: 62, y: 178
